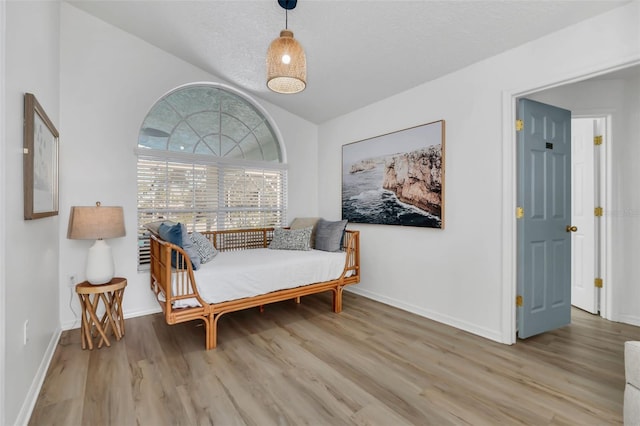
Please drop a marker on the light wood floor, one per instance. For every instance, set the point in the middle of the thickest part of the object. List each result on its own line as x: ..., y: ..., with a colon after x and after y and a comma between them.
x: 370, y: 365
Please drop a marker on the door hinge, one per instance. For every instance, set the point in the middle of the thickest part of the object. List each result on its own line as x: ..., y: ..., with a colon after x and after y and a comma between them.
x: 519, y: 212
x: 598, y: 211
x: 518, y: 300
x: 519, y: 125
x: 597, y: 140
x: 598, y: 282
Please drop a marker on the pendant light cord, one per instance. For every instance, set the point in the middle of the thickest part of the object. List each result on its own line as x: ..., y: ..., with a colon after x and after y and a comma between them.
x: 286, y: 19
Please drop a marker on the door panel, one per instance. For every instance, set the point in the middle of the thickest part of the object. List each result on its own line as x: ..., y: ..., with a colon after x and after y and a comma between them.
x: 583, y: 291
x: 538, y: 253
x: 544, y: 192
x: 560, y: 271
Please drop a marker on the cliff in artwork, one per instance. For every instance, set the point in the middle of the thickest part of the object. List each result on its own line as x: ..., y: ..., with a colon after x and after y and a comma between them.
x: 363, y: 165
x: 416, y: 178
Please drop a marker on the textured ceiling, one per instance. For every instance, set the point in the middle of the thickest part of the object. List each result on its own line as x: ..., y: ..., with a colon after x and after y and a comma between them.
x: 358, y: 51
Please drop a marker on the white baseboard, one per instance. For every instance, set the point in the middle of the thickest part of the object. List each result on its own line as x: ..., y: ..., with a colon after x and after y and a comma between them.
x: 34, y: 390
x: 70, y: 325
x: 628, y: 319
x: 494, y: 335
x: 143, y: 312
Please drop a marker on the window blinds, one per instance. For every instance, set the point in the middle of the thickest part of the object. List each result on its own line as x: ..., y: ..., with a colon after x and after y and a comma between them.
x: 209, y: 196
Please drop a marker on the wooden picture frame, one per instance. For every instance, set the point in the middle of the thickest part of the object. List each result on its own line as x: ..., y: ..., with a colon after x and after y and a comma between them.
x: 396, y: 178
x: 41, y: 141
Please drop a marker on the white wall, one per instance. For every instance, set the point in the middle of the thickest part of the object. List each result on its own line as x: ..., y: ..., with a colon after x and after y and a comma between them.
x: 619, y: 98
x: 626, y: 209
x: 109, y: 80
x: 464, y: 275
x: 31, y: 247
x: 3, y: 244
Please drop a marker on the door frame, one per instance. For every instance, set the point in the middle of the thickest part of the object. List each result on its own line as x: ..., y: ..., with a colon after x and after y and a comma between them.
x: 509, y: 200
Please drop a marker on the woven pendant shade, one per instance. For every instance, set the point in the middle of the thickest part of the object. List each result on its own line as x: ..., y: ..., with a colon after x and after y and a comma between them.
x: 286, y: 64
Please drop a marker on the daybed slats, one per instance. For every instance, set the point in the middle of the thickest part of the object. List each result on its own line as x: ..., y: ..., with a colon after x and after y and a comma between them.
x: 161, y: 279
x: 240, y: 239
x: 173, y: 283
x: 352, y: 247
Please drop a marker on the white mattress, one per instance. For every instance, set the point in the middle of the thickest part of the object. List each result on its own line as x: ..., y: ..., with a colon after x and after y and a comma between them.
x: 246, y: 273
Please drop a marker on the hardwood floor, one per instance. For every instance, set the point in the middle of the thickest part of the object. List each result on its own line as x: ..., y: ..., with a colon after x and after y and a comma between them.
x: 370, y: 365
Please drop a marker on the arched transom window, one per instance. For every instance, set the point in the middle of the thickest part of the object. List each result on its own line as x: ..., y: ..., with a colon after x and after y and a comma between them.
x: 209, y: 157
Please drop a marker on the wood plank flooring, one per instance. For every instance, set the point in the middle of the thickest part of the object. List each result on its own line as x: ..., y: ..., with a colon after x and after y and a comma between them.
x: 370, y: 365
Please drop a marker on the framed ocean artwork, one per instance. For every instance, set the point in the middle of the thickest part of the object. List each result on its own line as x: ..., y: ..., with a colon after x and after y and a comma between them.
x: 396, y: 178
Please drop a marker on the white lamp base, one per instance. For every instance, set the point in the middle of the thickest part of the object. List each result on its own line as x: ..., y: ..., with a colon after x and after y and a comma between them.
x: 100, y: 267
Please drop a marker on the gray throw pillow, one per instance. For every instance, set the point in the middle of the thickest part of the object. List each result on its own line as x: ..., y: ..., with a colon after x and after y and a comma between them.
x: 189, y: 248
x: 329, y: 235
x: 204, y: 247
x: 306, y: 222
x: 291, y: 239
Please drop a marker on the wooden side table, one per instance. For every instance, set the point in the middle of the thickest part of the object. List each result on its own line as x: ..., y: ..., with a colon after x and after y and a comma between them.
x: 90, y: 296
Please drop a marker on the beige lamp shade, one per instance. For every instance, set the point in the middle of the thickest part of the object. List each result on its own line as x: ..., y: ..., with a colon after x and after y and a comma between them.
x: 286, y: 64
x: 95, y: 223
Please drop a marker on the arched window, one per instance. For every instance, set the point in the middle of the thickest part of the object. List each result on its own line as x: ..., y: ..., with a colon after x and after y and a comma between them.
x: 209, y: 157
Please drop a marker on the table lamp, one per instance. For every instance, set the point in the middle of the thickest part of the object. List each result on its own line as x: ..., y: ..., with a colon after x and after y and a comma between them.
x: 97, y: 223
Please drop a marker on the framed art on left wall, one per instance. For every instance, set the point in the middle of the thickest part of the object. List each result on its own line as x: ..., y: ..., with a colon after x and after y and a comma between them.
x: 40, y: 161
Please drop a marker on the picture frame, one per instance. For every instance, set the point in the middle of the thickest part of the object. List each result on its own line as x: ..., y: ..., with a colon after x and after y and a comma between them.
x: 396, y: 178
x: 41, y: 145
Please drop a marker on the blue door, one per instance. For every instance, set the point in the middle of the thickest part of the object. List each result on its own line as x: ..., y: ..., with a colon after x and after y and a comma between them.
x: 544, y: 218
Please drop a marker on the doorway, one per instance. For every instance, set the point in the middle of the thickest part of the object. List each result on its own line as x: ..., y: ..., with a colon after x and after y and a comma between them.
x: 571, y: 94
x: 543, y: 215
x: 558, y: 269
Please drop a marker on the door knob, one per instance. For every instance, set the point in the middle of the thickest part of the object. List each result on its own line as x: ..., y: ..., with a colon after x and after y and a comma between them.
x: 572, y: 228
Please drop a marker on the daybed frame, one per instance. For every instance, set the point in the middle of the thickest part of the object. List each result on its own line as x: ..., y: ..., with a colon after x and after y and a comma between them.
x: 184, y: 282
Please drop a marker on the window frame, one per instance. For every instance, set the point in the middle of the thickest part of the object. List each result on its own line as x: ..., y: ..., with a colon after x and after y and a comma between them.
x: 222, y: 166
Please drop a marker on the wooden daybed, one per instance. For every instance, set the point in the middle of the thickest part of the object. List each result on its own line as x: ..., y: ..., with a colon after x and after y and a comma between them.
x: 184, y: 283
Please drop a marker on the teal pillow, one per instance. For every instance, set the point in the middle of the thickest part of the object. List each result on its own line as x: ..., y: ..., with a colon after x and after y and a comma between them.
x: 171, y: 233
x: 175, y: 235
x: 154, y: 227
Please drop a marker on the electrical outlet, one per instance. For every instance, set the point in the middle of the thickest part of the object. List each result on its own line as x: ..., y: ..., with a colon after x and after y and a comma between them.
x: 26, y: 332
x: 72, y: 280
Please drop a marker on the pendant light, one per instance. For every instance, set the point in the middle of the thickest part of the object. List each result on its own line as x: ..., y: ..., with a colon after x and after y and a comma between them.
x: 286, y: 61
